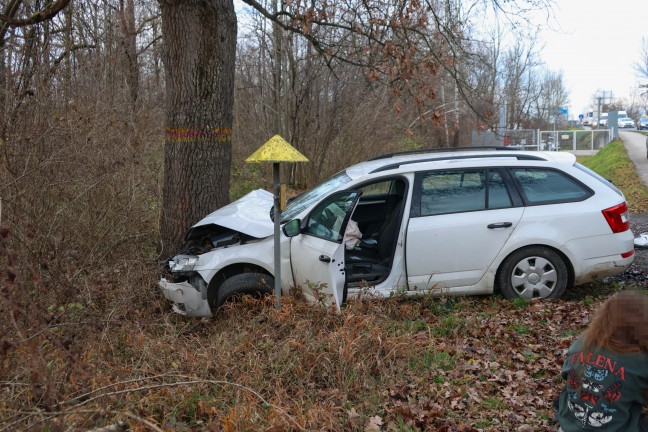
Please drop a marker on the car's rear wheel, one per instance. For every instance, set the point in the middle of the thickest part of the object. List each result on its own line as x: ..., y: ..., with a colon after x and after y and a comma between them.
x: 254, y: 284
x: 533, y: 272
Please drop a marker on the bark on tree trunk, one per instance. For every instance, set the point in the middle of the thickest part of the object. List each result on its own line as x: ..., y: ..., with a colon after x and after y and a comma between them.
x: 128, y: 39
x: 199, y: 53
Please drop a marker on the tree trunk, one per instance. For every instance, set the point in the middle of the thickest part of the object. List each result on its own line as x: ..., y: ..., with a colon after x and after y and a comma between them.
x: 69, y: 43
x: 128, y: 40
x: 199, y: 53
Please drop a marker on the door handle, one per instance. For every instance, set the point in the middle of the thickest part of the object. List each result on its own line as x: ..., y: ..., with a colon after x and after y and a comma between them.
x: 500, y: 225
x: 324, y: 258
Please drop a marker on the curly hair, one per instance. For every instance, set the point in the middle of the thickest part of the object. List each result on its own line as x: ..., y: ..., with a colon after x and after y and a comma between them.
x: 620, y: 325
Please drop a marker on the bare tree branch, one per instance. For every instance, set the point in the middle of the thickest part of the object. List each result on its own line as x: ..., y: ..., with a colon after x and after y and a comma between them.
x: 49, y: 12
x: 10, y: 11
x: 641, y: 66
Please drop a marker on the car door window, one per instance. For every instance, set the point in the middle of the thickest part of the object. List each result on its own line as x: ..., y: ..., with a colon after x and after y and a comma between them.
x: 544, y: 186
x: 456, y: 191
x: 498, y: 195
x: 329, y: 218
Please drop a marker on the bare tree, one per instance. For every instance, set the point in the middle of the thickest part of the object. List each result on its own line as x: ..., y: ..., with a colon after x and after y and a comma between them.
x: 333, y: 115
x: 550, y: 97
x: 483, y: 71
x: 70, y: 172
x: 520, y: 67
x: 641, y: 66
x: 127, y: 23
x: 200, y: 72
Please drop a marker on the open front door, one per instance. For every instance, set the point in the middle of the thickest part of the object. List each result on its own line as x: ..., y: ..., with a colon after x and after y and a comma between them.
x: 317, y: 253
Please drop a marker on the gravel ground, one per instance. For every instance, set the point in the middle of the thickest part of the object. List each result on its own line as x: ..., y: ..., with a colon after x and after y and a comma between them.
x: 637, y: 274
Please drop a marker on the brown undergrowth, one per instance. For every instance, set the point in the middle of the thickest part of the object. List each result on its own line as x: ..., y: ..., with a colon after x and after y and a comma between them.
x: 110, y: 352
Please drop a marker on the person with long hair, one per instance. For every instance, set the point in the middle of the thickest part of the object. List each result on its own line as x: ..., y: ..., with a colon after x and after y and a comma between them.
x: 606, y: 369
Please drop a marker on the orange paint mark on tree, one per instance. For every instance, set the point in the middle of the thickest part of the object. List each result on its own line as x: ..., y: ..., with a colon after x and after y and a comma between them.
x: 187, y: 134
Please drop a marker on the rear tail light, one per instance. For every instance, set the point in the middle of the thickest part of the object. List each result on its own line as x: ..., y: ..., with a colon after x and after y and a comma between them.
x: 617, y: 217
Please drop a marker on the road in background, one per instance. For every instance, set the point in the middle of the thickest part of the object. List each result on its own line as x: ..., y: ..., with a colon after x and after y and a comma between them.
x: 635, y: 144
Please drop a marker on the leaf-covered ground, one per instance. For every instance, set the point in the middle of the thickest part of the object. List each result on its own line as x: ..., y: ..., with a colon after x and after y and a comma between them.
x: 402, y: 364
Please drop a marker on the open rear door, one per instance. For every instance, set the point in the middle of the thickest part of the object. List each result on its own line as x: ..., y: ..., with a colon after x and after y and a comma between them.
x: 317, y: 253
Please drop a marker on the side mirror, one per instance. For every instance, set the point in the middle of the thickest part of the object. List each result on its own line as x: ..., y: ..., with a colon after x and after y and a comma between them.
x: 292, y: 228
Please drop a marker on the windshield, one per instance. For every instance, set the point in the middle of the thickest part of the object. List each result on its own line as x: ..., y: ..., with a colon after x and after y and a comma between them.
x: 308, y: 198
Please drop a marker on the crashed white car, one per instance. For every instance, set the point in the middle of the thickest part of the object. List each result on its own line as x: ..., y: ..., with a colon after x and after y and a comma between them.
x: 527, y: 224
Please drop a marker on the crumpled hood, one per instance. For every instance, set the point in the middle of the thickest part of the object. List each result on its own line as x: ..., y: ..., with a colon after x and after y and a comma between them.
x: 249, y: 215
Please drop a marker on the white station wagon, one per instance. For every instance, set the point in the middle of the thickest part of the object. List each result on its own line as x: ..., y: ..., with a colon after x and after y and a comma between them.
x: 526, y: 224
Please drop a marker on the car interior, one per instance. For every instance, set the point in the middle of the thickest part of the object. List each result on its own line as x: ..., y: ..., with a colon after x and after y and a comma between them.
x: 378, y: 214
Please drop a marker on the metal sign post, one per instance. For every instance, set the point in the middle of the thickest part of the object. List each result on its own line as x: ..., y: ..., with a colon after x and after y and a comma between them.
x: 277, y: 150
x: 276, y: 174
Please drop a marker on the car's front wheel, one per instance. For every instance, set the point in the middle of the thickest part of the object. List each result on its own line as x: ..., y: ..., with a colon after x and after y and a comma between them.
x: 533, y: 272
x: 254, y: 284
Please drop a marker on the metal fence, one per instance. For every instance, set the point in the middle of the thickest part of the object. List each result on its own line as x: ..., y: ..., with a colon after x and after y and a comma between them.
x: 520, y: 138
x: 574, y: 140
x: 577, y: 141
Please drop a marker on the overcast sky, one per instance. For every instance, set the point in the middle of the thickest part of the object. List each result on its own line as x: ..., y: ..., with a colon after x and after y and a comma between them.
x: 597, y: 47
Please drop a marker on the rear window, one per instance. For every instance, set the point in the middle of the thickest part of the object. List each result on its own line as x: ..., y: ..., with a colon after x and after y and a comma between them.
x: 548, y: 186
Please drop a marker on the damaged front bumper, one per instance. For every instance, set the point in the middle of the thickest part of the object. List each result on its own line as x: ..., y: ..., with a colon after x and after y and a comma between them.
x: 187, y: 299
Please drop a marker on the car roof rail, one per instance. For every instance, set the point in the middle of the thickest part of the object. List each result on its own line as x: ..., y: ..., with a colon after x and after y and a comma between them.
x: 441, y: 149
x: 433, y: 159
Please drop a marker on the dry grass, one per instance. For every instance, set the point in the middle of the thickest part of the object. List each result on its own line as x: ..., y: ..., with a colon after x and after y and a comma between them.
x: 110, y: 351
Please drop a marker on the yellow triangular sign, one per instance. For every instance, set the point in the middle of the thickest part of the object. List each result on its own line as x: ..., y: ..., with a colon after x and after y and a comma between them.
x: 276, y: 149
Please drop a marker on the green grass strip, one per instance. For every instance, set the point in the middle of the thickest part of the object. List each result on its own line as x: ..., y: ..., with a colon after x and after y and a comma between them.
x: 612, y: 162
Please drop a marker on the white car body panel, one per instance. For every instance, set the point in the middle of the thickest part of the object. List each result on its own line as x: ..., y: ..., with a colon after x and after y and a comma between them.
x: 318, y: 264
x: 259, y: 253
x: 436, y: 260
x: 311, y: 273
x: 248, y: 214
x: 184, y: 293
x: 590, y: 265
